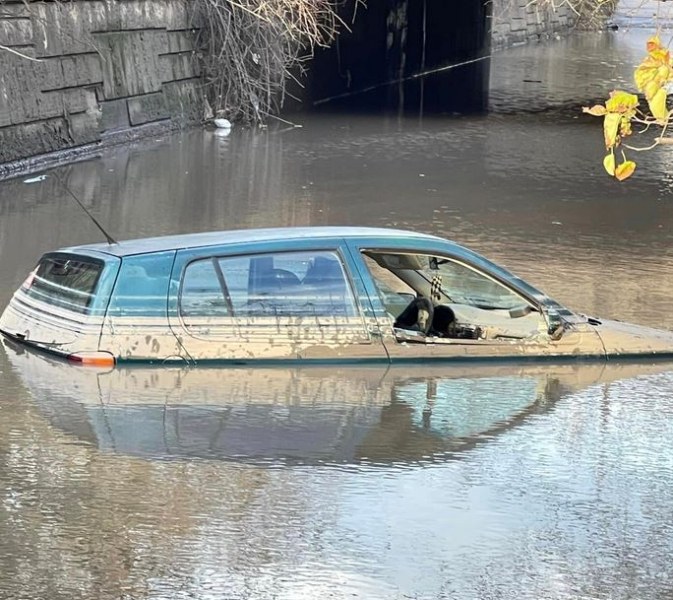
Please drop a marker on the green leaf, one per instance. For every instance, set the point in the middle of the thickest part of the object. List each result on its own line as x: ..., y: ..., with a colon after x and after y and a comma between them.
x: 610, y: 129
x: 658, y: 105
x: 609, y: 164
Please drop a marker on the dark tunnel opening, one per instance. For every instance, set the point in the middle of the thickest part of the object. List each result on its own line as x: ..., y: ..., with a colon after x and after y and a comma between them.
x: 406, y: 56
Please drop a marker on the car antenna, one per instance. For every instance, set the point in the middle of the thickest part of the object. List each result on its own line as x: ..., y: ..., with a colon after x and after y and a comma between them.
x: 108, y: 237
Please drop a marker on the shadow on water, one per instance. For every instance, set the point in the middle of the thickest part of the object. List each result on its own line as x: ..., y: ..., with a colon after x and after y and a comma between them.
x: 405, y: 57
x: 309, y: 415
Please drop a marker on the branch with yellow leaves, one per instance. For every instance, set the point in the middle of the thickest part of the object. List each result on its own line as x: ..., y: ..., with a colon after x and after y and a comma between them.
x: 620, y: 111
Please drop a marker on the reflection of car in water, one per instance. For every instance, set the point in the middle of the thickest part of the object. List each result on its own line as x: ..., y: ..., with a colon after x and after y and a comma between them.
x: 304, y: 415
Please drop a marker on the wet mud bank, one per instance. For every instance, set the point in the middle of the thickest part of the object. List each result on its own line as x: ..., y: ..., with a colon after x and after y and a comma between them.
x: 68, y: 155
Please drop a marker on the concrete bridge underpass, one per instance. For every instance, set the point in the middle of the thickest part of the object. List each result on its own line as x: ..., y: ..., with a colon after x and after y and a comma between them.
x: 406, y: 56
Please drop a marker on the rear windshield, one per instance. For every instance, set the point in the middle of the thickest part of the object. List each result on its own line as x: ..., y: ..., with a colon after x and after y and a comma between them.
x: 67, y: 281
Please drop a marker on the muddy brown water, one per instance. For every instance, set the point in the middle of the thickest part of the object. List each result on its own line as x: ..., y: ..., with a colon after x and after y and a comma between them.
x: 493, y: 482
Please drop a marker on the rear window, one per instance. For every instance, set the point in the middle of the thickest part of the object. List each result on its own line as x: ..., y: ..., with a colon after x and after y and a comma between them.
x: 66, y: 281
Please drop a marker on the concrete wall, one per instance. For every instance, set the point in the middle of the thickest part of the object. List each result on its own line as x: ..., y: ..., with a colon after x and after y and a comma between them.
x: 91, y: 68
x: 518, y: 21
x: 81, y: 72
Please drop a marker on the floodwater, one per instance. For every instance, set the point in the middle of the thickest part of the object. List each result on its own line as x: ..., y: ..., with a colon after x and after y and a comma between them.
x: 493, y: 482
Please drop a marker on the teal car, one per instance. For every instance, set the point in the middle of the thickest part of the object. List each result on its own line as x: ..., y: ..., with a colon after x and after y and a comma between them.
x: 321, y: 294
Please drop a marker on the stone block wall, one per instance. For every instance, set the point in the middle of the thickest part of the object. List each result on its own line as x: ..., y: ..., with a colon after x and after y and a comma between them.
x: 519, y: 21
x: 76, y: 72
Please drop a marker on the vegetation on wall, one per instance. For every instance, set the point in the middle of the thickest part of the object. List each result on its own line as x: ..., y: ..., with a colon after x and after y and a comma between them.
x: 251, y: 49
x: 589, y: 12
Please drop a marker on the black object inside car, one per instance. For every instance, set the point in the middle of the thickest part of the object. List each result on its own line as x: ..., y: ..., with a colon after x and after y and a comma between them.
x: 440, y: 321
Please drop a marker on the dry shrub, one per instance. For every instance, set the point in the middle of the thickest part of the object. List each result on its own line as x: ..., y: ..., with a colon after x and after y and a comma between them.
x: 249, y: 49
x: 590, y: 13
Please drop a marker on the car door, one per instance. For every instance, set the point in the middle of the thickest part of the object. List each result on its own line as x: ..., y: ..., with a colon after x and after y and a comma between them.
x: 272, y: 301
x: 485, y: 314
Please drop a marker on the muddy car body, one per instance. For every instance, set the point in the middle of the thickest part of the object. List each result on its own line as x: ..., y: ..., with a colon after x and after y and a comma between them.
x: 301, y: 294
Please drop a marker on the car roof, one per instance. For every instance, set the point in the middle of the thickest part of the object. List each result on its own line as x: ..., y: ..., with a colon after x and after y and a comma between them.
x: 217, y: 238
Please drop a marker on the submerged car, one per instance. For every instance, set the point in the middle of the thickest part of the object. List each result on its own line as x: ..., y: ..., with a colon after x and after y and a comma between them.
x: 301, y: 294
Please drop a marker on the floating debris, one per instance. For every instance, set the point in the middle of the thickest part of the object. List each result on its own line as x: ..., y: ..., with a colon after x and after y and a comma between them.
x: 35, y: 179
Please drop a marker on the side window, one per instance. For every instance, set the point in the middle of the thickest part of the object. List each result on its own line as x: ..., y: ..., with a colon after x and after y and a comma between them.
x: 282, y: 284
x: 202, y: 293
x: 394, y: 293
x: 142, y: 286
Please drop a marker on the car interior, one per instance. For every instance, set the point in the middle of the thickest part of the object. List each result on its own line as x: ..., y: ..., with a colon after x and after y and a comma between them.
x: 443, y: 299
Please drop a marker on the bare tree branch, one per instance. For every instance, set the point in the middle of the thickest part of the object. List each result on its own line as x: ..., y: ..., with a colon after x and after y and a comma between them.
x: 249, y: 49
x: 7, y: 49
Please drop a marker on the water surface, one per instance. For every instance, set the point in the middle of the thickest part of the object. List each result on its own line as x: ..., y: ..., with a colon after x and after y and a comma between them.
x: 508, y: 482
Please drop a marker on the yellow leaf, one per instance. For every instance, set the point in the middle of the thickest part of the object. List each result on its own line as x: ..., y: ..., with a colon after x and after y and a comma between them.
x: 625, y: 127
x: 625, y: 170
x: 663, y: 74
x: 654, y: 72
x: 654, y: 43
x: 661, y: 55
x: 643, y: 75
x: 610, y: 129
x: 597, y: 111
x: 651, y: 88
x: 621, y: 102
x: 658, y: 105
x: 656, y: 50
x: 609, y: 164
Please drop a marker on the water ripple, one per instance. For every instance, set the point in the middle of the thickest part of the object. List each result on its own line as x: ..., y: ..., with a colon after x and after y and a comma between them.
x: 502, y: 482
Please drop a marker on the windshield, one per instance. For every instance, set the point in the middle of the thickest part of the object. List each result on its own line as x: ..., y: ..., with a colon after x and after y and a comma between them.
x: 460, y: 284
x: 444, y: 280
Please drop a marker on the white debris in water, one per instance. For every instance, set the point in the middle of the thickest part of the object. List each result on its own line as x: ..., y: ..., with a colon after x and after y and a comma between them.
x: 35, y: 179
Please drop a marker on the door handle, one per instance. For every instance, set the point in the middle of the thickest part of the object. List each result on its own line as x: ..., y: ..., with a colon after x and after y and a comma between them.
x: 374, y: 331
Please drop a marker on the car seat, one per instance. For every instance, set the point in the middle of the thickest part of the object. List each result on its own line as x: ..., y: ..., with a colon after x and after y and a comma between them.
x: 325, y: 282
x: 276, y: 280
